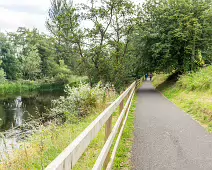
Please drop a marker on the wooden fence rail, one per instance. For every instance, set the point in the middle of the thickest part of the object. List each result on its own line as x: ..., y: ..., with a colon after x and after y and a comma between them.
x: 69, y: 157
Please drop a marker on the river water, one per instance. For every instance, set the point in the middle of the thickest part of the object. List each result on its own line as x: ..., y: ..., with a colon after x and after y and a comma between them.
x: 17, y: 109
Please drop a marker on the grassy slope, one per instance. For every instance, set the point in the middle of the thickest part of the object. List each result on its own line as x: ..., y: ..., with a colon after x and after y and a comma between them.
x: 192, y: 93
x: 44, y: 147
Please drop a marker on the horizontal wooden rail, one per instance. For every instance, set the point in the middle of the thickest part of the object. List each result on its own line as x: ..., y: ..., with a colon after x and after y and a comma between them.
x: 69, y: 157
x: 108, y: 144
x: 110, y: 164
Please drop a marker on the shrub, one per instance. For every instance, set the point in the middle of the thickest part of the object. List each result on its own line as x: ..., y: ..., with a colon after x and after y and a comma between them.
x: 79, y: 100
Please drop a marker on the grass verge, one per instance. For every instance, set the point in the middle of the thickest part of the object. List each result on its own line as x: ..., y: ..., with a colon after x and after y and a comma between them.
x: 123, y: 157
x: 191, y: 93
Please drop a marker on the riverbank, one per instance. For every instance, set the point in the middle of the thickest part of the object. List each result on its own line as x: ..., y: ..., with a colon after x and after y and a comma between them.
x: 45, y: 145
x: 23, y: 86
x: 50, y: 140
x: 191, y: 92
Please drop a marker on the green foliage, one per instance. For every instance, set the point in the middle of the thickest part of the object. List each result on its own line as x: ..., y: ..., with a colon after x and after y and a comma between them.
x: 64, y: 26
x: 61, y: 72
x: 79, y: 101
x: 28, y: 55
x: 18, y: 87
x: 10, y: 63
x: 101, y: 50
x: 31, y: 63
x: 174, y: 35
x: 122, y: 42
x: 35, y: 52
x: 200, y: 80
x: 2, y: 76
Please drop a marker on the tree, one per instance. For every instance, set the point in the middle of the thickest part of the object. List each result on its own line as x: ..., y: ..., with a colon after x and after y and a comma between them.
x: 31, y: 63
x: 63, y: 25
x: 10, y: 63
x: 172, y: 35
x: 2, y: 74
x: 108, y: 39
x: 101, y: 48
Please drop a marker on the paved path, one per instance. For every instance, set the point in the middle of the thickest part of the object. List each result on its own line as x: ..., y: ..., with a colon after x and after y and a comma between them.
x: 166, y: 138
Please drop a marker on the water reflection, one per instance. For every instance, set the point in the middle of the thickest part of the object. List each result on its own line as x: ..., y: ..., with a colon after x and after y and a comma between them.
x: 14, y: 111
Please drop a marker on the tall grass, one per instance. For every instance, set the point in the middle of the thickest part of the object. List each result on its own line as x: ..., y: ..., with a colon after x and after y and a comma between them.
x: 16, y: 87
x: 39, y: 85
x: 199, y: 81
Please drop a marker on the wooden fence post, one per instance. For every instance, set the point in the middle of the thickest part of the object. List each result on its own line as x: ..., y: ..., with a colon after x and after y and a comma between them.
x: 121, y: 106
x: 137, y: 84
x: 108, y: 129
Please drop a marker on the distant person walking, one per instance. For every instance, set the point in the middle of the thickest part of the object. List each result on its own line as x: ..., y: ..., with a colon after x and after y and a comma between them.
x: 146, y: 76
x: 150, y: 76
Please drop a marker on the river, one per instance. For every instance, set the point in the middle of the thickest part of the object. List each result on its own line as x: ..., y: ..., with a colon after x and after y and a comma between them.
x: 17, y: 109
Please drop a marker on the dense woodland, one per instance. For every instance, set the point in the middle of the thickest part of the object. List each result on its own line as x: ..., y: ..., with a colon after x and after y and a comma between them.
x: 111, y: 41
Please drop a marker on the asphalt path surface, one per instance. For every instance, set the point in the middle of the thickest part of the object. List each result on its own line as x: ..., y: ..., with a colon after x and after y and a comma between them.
x: 167, y: 138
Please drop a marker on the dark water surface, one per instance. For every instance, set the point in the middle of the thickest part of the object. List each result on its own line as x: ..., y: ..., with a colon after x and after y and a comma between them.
x: 17, y: 109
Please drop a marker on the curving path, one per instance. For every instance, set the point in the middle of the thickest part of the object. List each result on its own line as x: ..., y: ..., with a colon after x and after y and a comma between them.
x: 167, y: 138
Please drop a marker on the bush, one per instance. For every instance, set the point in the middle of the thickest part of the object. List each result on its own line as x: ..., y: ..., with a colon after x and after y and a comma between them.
x: 79, y: 100
x: 200, y: 80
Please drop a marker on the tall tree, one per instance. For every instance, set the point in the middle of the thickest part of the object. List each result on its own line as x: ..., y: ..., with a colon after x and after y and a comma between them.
x: 63, y: 25
x: 10, y: 63
x: 31, y: 63
x: 172, y: 35
x: 108, y: 38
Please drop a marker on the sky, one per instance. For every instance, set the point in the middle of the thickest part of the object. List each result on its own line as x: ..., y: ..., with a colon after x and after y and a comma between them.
x: 26, y: 13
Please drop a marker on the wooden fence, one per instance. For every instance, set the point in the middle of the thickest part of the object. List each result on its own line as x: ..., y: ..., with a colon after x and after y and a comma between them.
x: 69, y: 157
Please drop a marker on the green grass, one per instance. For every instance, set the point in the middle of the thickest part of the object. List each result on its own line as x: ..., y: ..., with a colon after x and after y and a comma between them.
x: 22, y: 86
x: 42, y: 148
x: 197, y: 81
x: 192, y: 93
x: 123, y: 157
